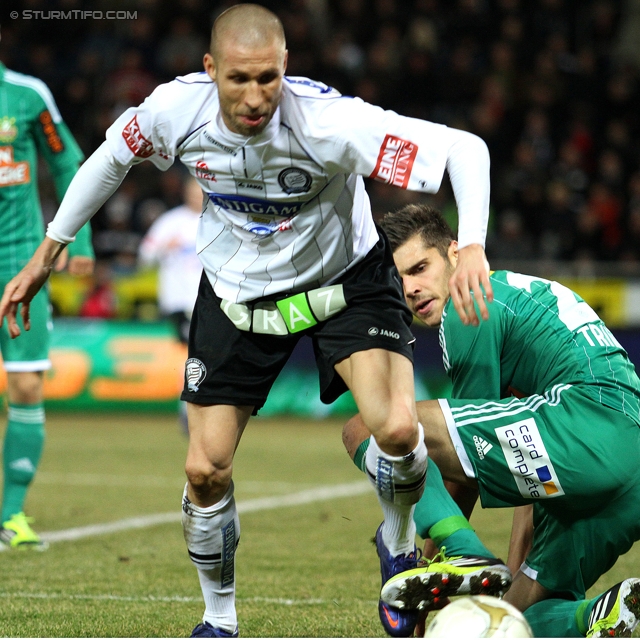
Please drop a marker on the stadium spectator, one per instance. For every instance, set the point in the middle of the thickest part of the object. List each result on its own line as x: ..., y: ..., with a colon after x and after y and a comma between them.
x: 572, y: 62
x: 287, y: 219
x: 30, y: 126
x: 100, y: 301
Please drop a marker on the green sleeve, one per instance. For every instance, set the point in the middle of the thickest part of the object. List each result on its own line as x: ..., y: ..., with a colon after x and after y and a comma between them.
x: 472, y: 354
x: 58, y: 147
x: 82, y: 245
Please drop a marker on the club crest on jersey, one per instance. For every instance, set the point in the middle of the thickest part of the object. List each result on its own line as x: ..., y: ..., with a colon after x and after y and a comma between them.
x: 8, y: 129
x: 195, y: 372
x: 294, y: 180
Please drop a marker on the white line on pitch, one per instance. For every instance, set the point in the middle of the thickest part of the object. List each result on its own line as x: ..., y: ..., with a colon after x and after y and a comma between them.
x: 168, y: 599
x: 152, y: 482
x: 326, y: 492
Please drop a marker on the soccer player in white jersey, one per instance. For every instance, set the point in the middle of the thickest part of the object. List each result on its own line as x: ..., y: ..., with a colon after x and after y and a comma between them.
x: 289, y: 248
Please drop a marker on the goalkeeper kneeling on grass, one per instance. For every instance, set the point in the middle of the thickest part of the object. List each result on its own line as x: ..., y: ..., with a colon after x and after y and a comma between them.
x: 544, y: 413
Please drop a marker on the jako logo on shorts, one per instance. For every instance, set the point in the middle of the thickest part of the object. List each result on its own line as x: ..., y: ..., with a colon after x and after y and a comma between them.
x: 528, y: 460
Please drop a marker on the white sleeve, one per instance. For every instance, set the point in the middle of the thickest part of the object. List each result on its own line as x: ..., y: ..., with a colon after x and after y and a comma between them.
x: 352, y: 135
x: 96, y: 180
x: 468, y: 168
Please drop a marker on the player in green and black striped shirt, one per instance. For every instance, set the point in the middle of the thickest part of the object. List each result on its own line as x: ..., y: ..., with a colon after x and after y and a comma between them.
x: 545, y: 412
x: 30, y: 125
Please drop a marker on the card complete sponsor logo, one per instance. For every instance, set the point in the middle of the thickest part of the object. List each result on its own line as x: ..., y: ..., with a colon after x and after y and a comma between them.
x: 528, y: 460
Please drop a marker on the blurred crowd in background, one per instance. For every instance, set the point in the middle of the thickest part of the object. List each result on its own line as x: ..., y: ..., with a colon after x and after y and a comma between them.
x: 552, y: 86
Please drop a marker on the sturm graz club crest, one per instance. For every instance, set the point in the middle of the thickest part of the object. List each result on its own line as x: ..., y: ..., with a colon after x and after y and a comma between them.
x: 195, y: 371
x: 294, y: 180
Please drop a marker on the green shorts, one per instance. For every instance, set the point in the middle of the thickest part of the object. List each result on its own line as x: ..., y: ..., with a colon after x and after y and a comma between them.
x: 575, y: 459
x: 30, y: 350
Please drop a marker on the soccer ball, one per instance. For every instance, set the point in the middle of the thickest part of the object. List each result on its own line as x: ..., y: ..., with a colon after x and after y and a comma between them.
x: 479, y: 617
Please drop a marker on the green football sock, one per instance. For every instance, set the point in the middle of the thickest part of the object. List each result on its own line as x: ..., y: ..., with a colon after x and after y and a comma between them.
x: 556, y: 618
x: 438, y: 517
x: 23, y: 444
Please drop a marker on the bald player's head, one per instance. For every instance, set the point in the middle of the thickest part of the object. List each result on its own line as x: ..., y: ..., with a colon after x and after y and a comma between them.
x: 247, y: 25
x: 247, y: 61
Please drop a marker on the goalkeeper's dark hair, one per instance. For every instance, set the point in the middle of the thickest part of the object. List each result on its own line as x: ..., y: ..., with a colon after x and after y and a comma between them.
x: 418, y: 219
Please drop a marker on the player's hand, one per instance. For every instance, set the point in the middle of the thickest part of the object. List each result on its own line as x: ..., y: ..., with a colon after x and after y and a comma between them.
x: 22, y: 289
x: 471, y: 275
x: 81, y: 266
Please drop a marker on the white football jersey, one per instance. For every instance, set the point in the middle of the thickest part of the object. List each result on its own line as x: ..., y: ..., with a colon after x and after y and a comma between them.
x: 170, y: 242
x: 287, y: 209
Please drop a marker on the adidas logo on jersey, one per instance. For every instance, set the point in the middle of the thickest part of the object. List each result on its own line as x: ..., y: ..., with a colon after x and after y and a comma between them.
x: 482, y: 446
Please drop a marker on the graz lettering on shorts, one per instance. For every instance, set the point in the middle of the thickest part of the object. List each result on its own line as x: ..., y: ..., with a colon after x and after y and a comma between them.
x: 290, y: 315
x: 528, y: 460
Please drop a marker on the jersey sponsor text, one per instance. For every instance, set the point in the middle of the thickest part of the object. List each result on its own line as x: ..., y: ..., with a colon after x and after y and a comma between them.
x: 12, y: 173
x: 137, y: 143
x: 528, y: 460
x: 395, y: 161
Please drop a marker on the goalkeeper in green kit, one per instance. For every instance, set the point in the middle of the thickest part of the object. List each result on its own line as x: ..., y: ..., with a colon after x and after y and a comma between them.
x: 544, y: 416
x: 30, y: 124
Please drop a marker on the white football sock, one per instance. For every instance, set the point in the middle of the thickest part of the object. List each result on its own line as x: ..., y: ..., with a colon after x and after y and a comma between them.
x: 399, y: 482
x: 212, y: 535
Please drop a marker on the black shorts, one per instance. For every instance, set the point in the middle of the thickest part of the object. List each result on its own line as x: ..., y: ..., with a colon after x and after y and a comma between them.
x: 234, y: 367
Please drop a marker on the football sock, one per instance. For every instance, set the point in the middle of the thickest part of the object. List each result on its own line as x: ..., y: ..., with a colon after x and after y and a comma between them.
x: 212, y: 535
x: 23, y: 444
x: 399, y: 482
x: 556, y: 618
x: 438, y: 517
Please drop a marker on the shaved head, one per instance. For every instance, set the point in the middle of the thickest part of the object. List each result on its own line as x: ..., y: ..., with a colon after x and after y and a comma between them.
x: 249, y: 26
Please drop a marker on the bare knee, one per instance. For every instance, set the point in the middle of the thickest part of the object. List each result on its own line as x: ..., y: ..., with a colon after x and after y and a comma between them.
x: 398, y: 434
x: 208, y: 481
x: 25, y: 387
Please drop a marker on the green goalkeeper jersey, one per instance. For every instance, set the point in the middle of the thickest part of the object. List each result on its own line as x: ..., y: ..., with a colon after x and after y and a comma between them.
x: 539, y: 334
x: 30, y: 124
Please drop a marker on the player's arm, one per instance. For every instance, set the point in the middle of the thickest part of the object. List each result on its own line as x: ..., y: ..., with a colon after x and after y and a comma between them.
x: 414, y: 154
x: 22, y: 288
x: 521, y: 537
x: 96, y: 180
x: 63, y: 156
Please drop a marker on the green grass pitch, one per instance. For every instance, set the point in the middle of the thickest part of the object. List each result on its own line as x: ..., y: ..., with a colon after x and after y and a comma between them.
x: 302, y: 571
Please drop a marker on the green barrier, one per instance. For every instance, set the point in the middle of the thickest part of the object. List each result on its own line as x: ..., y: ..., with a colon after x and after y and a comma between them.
x: 133, y: 366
